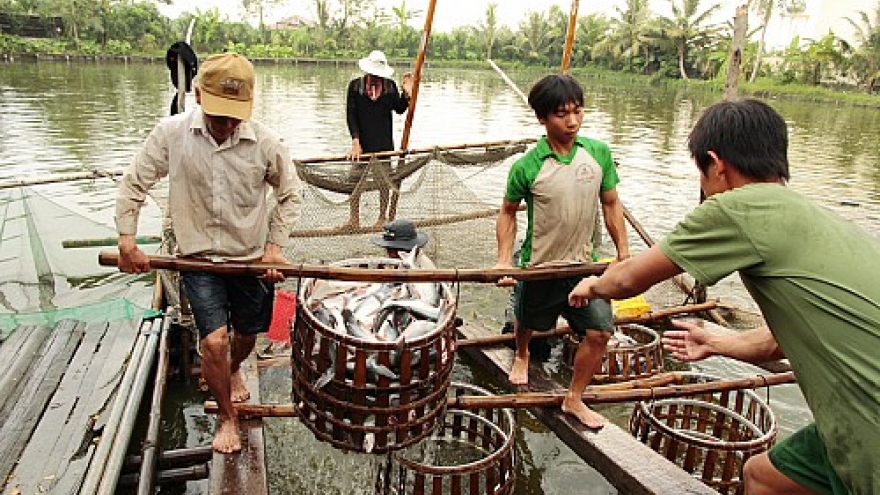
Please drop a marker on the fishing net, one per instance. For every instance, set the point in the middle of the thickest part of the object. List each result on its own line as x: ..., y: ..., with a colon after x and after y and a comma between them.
x: 42, y: 282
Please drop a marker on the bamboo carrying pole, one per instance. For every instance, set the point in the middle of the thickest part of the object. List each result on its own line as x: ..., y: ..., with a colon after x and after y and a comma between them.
x: 557, y: 332
x: 111, y: 258
x: 662, y: 386
x: 569, y: 37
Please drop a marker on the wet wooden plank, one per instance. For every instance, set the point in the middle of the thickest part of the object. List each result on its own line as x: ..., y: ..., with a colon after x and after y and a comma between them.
x: 243, y: 472
x: 61, y: 448
x: 632, y: 467
x: 22, y: 415
x: 17, y: 354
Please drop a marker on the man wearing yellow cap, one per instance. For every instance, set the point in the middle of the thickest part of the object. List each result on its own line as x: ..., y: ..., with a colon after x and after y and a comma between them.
x: 220, y: 166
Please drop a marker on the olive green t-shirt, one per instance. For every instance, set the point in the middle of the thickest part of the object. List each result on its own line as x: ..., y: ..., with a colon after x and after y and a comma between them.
x: 816, y: 278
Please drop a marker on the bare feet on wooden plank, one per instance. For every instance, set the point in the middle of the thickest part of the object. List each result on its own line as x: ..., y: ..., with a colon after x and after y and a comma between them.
x: 240, y: 393
x: 519, y: 371
x: 226, y: 440
x: 577, y: 408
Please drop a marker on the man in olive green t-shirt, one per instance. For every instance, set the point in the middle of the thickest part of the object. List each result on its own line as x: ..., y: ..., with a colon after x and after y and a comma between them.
x: 816, y: 279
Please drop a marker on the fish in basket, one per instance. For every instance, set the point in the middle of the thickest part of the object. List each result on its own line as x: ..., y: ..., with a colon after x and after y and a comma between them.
x: 372, y: 361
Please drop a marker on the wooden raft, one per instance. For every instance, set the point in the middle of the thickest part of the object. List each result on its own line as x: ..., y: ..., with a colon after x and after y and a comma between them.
x: 626, y: 463
x: 243, y: 472
x: 56, y: 388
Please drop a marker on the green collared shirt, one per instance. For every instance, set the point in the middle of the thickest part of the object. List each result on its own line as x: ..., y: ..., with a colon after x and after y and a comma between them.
x: 562, y: 198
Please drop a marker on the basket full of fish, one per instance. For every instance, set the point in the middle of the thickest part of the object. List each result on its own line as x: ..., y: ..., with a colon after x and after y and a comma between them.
x: 372, y: 362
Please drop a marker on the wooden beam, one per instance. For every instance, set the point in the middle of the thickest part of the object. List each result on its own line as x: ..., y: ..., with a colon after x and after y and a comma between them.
x: 245, y: 471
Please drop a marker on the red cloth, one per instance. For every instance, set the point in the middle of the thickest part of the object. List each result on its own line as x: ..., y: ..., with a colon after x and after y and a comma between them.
x: 283, y: 314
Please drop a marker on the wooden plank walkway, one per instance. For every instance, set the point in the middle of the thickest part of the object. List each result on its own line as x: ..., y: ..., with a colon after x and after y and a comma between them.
x: 243, y: 472
x: 69, y: 376
x: 632, y: 467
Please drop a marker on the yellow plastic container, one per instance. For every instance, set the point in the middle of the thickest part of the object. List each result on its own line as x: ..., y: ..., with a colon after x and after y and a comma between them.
x: 629, y: 308
x: 632, y: 307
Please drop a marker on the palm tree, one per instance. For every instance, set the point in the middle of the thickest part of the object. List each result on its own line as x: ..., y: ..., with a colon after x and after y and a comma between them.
x: 535, y: 37
x: 866, y: 60
x: 685, y: 28
x: 630, y: 35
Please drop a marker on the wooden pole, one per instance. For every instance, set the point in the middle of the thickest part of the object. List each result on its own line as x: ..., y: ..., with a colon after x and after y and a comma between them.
x: 646, y: 318
x: 417, y: 76
x: 569, y: 37
x: 740, y: 26
x: 657, y: 387
x: 554, y: 399
x: 509, y: 82
x: 157, y: 261
x: 151, y: 449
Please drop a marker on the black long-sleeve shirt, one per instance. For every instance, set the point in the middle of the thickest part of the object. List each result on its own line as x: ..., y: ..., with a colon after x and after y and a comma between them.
x: 370, y: 121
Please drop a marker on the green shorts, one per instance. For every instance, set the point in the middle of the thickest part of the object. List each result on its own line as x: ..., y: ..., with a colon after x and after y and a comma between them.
x: 802, y: 457
x: 540, y: 303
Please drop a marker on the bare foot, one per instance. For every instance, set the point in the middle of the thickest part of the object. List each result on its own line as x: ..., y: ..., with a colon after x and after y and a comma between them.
x: 587, y: 416
x: 240, y: 393
x: 519, y: 371
x: 226, y: 440
x: 380, y: 222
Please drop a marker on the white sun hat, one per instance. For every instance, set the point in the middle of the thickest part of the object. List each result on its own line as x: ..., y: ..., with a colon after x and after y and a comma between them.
x: 376, y: 64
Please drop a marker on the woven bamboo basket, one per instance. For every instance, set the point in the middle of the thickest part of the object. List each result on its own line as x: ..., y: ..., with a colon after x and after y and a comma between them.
x: 624, y: 362
x: 710, y: 435
x: 366, y: 412
x: 471, y: 452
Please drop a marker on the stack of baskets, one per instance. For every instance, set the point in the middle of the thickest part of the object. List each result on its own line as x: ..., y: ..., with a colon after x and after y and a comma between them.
x: 710, y: 435
x: 364, y: 412
x: 472, y: 451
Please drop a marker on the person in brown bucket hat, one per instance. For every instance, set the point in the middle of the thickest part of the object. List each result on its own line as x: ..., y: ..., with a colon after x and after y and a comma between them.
x: 218, y: 212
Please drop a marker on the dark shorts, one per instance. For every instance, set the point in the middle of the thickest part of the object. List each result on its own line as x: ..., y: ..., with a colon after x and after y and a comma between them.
x: 539, y: 304
x: 244, y: 303
x: 802, y: 457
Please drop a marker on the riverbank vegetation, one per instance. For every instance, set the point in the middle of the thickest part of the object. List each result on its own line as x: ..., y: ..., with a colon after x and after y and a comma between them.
x: 634, y: 40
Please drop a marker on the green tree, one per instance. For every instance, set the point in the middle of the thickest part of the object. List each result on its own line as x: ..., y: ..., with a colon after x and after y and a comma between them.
x: 591, y: 30
x: 866, y: 59
x: 686, y: 30
x: 488, y: 28
x: 534, y: 38
x: 631, y: 35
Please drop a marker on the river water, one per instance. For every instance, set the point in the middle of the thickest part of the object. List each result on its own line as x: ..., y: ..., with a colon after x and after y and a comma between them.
x: 60, y: 118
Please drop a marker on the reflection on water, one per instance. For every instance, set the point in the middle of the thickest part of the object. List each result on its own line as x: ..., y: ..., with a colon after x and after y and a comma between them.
x: 74, y: 117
